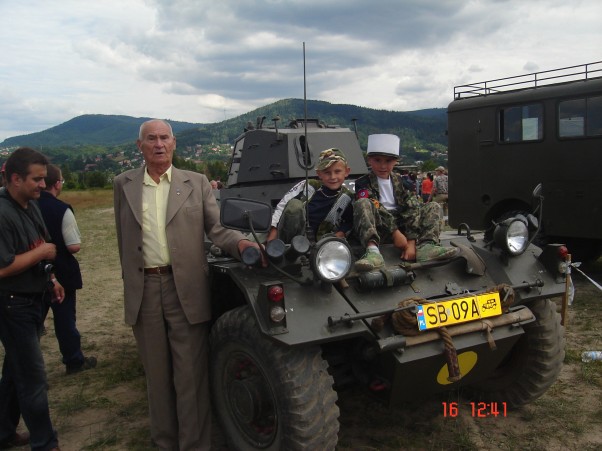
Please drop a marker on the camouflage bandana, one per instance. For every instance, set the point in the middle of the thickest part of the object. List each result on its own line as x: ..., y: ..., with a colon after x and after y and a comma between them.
x: 330, y: 156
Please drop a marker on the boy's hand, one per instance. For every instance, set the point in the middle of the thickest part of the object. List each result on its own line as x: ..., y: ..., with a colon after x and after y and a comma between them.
x: 399, y: 240
x: 409, y: 253
x: 272, y: 234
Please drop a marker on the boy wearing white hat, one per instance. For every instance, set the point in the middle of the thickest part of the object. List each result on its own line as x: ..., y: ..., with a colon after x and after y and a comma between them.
x: 385, y: 211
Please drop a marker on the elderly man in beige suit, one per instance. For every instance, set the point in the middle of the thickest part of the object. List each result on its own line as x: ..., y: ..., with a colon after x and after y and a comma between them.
x: 162, y: 214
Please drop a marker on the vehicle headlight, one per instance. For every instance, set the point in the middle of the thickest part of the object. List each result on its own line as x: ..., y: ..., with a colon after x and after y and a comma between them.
x: 512, y: 235
x: 332, y: 259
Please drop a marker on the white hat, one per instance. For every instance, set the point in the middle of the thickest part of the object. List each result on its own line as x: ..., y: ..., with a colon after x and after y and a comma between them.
x: 387, y: 145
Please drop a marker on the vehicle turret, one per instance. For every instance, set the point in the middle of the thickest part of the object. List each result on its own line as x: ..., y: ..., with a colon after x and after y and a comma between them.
x: 267, y: 161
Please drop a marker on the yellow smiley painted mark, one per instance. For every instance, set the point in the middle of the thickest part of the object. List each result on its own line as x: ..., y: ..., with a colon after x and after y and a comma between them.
x: 466, y: 360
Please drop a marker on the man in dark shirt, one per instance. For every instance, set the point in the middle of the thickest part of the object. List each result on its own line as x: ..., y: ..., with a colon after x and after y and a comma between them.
x: 25, y: 275
x: 60, y: 220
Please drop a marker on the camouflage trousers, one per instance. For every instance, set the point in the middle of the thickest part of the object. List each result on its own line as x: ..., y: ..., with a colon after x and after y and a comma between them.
x: 441, y: 199
x: 378, y: 224
x: 292, y: 221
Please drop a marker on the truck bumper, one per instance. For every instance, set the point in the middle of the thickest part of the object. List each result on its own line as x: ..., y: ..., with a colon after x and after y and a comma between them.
x: 421, y: 365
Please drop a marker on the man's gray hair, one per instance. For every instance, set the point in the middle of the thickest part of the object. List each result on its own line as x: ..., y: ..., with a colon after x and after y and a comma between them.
x: 140, y: 137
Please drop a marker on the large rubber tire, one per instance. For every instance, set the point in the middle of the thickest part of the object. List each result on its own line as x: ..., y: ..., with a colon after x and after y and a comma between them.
x: 532, y: 366
x: 268, y: 396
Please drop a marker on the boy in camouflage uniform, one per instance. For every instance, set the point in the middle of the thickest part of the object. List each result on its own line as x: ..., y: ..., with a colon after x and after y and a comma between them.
x: 330, y: 203
x: 385, y: 211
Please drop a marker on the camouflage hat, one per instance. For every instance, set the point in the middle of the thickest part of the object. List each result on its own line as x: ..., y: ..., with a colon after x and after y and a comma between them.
x: 330, y: 156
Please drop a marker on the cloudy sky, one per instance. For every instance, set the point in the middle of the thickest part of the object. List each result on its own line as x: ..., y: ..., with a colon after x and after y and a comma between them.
x: 208, y: 60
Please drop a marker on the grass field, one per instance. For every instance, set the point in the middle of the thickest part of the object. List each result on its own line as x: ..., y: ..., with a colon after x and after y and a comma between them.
x: 105, y: 408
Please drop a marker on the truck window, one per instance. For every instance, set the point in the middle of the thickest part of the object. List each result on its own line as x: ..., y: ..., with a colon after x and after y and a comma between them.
x: 580, y: 117
x: 571, y: 118
x: 594, y: 116
x: 521, y: 123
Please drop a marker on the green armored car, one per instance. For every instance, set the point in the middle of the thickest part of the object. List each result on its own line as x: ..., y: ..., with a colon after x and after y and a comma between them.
x: 285, y: 337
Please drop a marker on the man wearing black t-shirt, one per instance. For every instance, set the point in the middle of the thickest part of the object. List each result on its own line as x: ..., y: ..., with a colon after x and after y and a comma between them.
x: 25, y: 275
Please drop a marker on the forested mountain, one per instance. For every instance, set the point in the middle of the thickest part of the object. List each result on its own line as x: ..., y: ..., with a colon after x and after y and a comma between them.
x: 89, y: 129
x: 422, y: 128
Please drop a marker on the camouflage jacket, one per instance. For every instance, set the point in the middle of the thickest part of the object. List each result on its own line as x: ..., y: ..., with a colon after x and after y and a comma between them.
x: 408, y: 205
x: 440, y: 185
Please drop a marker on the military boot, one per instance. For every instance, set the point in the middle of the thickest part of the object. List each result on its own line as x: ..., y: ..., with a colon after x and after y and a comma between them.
x: 430, y: 251
x: 370, y: 261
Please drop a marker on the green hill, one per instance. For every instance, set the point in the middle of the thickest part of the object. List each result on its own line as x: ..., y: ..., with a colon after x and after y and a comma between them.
x: 89, y: 129
x: 417, y: 129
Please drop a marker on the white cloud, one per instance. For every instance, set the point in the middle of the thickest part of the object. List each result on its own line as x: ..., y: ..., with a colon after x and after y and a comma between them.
x: 203, y: 61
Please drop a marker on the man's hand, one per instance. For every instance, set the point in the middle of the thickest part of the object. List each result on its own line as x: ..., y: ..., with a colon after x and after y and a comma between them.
x: 47, y: 251
x: 59, y: 291
x: 24, y: 261
x: 243, y: 244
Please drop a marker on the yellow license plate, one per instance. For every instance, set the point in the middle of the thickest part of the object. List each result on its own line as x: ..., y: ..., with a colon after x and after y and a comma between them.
x: 461, y: 310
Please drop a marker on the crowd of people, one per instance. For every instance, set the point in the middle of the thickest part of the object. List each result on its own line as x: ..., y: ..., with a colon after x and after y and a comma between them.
x: 162, y: 215
x: 429, y: 187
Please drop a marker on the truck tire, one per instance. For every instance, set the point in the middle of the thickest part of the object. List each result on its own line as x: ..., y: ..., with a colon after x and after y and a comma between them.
x: 532, y: 366
x: 267, y: 396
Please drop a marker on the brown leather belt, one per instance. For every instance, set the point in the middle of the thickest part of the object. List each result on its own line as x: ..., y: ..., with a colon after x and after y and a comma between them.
x: 158, y: 270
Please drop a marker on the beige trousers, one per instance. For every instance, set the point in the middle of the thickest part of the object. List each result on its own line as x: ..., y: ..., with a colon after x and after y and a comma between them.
x: 175, y: 358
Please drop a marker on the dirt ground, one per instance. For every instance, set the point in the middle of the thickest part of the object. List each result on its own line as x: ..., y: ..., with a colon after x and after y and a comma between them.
x: 105, y: 408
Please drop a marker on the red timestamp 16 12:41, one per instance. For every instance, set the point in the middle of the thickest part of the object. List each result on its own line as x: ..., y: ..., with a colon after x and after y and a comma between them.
x: 477, y: 409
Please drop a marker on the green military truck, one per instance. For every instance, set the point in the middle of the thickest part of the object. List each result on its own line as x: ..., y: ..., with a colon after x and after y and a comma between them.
x: 508, y: 135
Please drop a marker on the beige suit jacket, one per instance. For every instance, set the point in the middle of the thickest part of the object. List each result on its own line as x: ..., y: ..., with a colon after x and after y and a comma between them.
x: 192, y: 211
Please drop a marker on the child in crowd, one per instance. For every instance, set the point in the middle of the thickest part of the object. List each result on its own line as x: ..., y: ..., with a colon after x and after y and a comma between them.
x: 330, y: 203
x: 385, y: 210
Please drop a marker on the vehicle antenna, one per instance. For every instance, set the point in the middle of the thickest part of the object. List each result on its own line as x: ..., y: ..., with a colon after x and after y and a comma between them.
x: 355, y: 128
x: 305, y: 149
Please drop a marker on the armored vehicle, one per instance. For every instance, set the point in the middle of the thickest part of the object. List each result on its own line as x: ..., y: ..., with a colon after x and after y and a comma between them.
x: 507, y: 135
x: 287, y: 336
